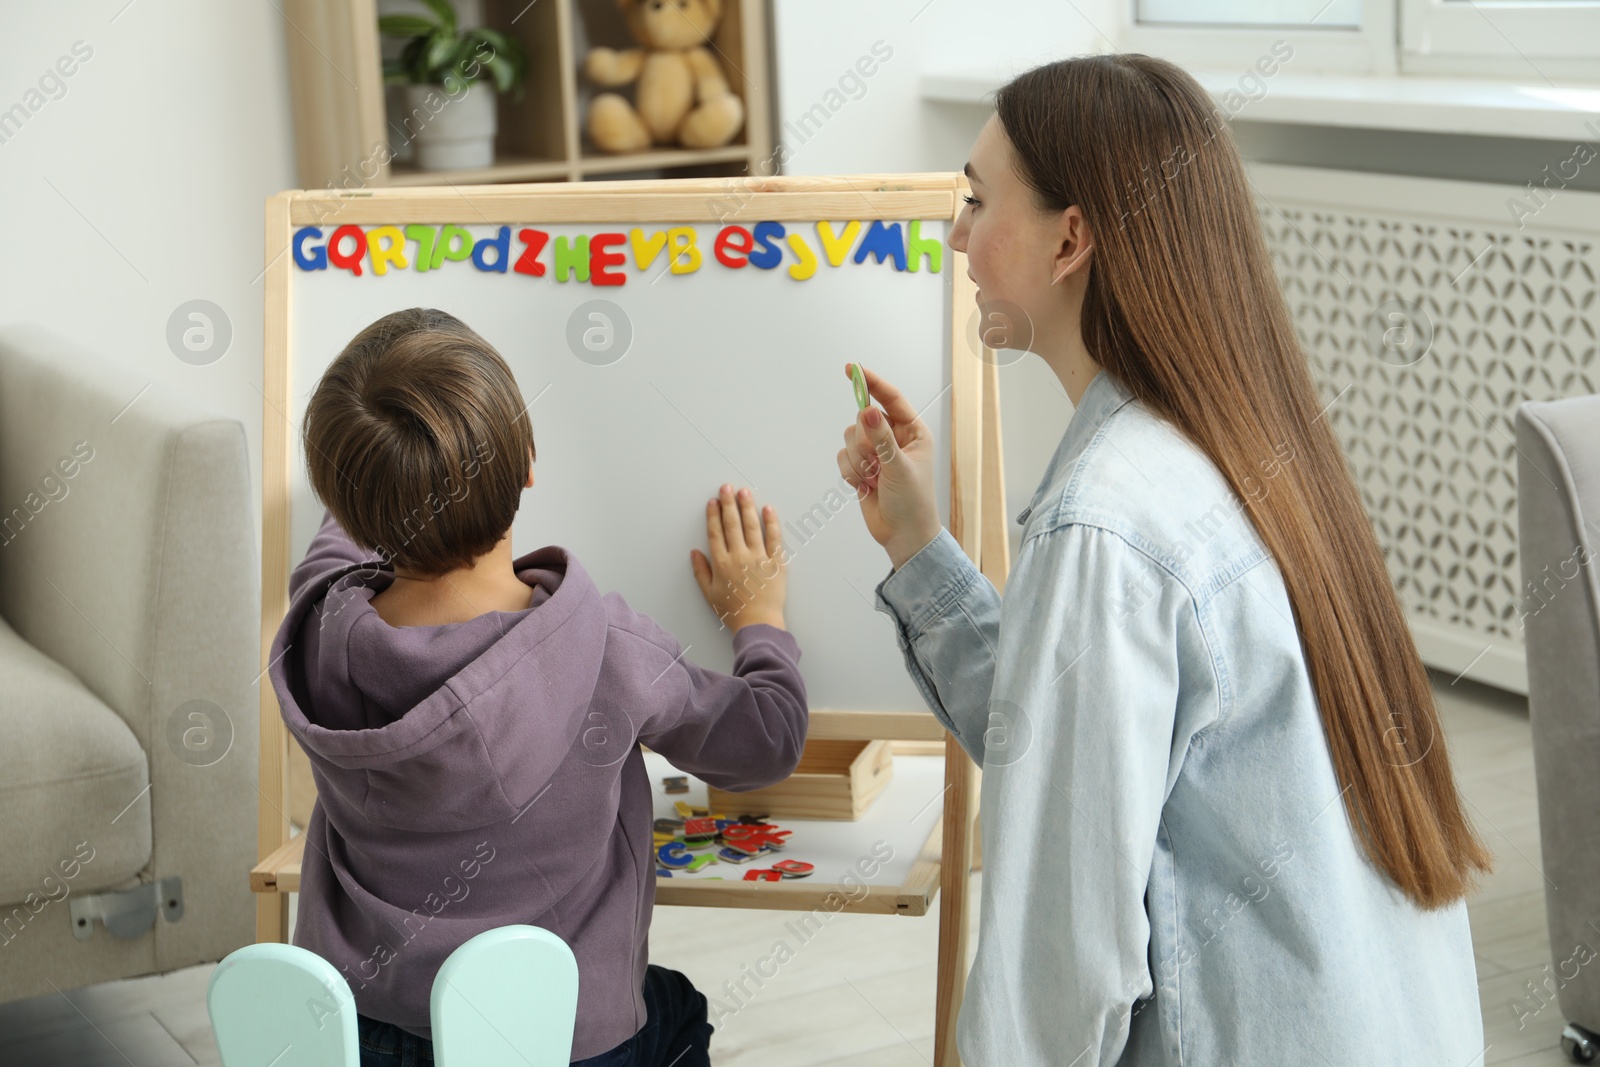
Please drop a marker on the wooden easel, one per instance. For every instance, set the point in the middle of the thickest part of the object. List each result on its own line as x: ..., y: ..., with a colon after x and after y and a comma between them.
x: 977, y: 503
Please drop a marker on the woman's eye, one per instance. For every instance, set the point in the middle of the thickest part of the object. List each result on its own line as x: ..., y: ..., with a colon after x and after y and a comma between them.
x: 972, y: 200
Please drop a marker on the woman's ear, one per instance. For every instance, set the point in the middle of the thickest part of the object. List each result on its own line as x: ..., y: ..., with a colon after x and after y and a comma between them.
x: 529, y: 484
x: 1074, y: 246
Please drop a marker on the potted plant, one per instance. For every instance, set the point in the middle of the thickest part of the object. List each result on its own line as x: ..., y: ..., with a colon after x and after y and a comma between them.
x: 451, y: 76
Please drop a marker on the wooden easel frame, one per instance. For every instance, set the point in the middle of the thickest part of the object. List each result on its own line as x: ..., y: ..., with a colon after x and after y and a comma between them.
x: 977, y: 495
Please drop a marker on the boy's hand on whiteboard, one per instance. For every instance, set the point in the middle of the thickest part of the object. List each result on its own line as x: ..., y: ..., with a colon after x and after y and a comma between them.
x: 888, y: 457
x: 744, y: 580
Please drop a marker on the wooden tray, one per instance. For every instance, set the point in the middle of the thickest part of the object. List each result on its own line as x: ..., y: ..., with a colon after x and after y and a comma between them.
x: 835, y: 779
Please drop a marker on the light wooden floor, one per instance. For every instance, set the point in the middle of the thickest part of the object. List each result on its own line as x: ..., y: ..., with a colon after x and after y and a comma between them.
x: 861, y: 990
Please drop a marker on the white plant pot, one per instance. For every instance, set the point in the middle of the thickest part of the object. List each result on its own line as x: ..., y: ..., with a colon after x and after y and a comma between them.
x: 454, y: 132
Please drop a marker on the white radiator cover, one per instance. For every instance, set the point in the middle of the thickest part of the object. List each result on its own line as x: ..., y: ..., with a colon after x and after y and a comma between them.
x: 1513, y: 312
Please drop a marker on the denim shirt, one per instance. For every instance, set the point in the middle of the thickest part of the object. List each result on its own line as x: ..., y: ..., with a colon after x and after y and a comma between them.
x: 1169, y: 873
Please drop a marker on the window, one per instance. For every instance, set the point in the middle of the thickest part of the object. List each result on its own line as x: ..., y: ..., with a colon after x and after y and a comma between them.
x: 1529, y: 41
x: 1345, y: 36
x: 1326, y: 14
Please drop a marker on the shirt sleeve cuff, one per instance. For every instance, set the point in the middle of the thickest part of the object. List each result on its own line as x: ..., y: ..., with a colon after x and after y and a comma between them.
x: 926, y: 585
x: 767, y: 634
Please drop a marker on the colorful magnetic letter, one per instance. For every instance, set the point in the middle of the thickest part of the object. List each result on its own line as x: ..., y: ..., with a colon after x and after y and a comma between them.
x: 806, y: 264
x: 767, y: 254
x: 834, y: 247
x: 350, y: 261
x: 685, y: 252
x: 645, y: 250
x: 381, y: 255
x: 318, y: 259
x: 572, y: 258
x: 732, y: 245
x: 883, y: 242
x: 918, y: 247
x: 425, y: 237
x: 600, y: 259
x: 534, y: 242
x: 753, y: 838
x: 500, y: 244
x: 454, y: 243
x: 794, y: 868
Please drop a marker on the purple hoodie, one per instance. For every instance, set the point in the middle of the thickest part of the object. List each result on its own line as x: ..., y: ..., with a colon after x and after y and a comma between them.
x: 477, y: 774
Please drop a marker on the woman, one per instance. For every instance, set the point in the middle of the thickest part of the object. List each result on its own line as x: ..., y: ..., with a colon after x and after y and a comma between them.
x: 1219, y: 822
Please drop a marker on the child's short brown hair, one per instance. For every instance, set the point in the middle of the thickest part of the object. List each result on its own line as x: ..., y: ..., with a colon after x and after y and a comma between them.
x: 418, y: 442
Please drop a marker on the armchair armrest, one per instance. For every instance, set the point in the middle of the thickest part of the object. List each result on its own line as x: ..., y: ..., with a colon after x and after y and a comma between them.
x: 128, y: 555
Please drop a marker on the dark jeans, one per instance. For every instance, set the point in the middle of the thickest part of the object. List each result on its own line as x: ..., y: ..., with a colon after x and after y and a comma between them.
x: 676, y: 1033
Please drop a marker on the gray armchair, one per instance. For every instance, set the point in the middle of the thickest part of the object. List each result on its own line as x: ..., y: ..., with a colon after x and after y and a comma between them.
x: 1558, y: 514
x: 129, y: 607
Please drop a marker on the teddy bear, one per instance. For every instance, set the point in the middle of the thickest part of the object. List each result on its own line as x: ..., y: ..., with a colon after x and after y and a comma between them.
x: 682, y: 96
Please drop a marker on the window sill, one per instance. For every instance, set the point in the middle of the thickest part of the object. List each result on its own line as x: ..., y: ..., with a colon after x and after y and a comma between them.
x: 1470, y: 106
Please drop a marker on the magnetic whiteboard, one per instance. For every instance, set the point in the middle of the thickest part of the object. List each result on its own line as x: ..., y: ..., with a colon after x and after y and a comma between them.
x: 730, y: 375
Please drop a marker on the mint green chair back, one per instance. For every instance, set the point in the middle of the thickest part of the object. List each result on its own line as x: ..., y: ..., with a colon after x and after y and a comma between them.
x: 506, y: 998
x: 281, y: 1005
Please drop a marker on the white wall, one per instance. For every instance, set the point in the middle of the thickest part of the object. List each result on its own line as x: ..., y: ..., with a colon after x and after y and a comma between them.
x: 889, y: 127
x: 140, y: 186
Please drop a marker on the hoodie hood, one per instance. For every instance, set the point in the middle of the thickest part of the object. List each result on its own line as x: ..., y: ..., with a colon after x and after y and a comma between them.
x: 439, y: 728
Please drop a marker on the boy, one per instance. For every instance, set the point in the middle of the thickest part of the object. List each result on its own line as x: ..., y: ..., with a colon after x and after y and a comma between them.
x: 473, y: 720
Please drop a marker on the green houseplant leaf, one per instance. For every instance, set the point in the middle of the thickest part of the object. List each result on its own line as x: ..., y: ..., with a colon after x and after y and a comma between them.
x: 505, y: 75
x: 405, y: 25
x: 446, y: 14
x: 440, y: 48
x: 501, y: 44
x: 436, y: 52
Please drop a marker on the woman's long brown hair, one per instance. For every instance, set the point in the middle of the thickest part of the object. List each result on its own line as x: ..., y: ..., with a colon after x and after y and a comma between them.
x: 1182, y: 306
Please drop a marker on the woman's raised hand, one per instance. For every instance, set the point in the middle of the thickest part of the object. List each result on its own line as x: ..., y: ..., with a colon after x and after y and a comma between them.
x: 888, y: 457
